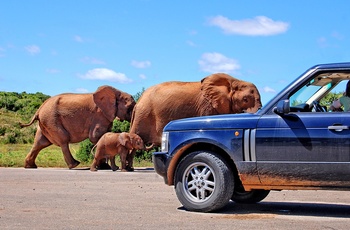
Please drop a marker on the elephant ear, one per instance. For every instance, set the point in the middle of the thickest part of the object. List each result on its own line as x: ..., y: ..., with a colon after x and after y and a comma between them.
x: 125, y: 140
x: 216, y: 88
x: 106, y: 98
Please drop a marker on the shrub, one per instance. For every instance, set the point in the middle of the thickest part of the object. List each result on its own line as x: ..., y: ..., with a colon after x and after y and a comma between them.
x: 120, y: 126
x: 2, y: 130
x: 84, y: 151
x: 142, y: 155
x: 10, y: 138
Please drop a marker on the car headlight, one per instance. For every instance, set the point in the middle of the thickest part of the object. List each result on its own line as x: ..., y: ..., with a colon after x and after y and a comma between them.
x: 165, y: 141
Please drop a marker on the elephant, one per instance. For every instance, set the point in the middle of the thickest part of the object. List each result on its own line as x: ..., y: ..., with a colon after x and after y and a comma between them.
x: 111, y: 144
x: 218, y: 93
x: 71, y: 118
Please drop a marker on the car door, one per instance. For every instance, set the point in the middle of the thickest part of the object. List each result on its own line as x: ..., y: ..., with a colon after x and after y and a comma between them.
x: 304, y: 149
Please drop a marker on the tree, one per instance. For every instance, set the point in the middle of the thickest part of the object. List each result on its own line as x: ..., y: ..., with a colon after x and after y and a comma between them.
x: 138, y: 94
x: 329, y: 98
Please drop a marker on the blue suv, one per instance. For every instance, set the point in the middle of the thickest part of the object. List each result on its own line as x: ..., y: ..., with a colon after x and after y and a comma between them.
x: 291, y: 143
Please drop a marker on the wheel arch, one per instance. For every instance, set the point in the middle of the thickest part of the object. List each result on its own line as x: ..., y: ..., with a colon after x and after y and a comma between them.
x: 198, y: 146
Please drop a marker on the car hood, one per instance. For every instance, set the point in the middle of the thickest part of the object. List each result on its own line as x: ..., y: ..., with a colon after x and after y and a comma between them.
x: 227, y: 121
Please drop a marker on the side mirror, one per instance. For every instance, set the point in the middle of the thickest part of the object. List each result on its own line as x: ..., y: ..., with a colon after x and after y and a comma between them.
x: 282, y: 107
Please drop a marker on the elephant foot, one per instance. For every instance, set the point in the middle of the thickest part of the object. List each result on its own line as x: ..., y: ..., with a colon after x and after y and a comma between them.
x: 115, y: 168
x: 124, y: 170
x: 93, y: 169
x: 75, y: 164
x: 129, y: 169
x: 30, y: 165
x: 103, y: 165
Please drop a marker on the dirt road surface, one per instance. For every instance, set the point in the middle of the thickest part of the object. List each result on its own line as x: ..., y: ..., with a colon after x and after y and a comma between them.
x: 80, y: 199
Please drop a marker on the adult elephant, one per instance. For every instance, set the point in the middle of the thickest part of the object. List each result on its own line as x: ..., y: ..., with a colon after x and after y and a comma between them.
x: 216, y: 94
x: 70, y: 118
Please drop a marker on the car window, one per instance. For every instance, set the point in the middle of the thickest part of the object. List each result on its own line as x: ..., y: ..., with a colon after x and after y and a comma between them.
x: 303, y: 99
x: 322, y: 90
x: 303, y: 95
x: 337, y: 92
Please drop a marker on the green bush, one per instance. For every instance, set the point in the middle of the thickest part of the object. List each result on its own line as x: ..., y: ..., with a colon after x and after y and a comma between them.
x: 10, y: 138
x: 16, y: 108
x: 142, y: 155
x: 23, y: 103
x: 2, y: 130
x: 84, y: 152
x: 120, y: 126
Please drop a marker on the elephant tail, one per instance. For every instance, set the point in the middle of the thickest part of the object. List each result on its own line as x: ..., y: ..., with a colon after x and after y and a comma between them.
x: 34, y: 118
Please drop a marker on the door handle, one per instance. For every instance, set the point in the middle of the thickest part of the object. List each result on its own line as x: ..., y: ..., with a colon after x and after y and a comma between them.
x: 338, y: 128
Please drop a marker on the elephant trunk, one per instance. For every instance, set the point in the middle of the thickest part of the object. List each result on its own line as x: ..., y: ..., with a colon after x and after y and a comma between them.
x: 255, y: 108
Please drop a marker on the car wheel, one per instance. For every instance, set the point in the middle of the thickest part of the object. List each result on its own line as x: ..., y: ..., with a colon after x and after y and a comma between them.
x: 249, y: 197
x: 203, y: 182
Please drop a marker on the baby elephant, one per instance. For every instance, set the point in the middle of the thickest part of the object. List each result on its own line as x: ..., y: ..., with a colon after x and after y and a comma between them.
x: 111, y: 144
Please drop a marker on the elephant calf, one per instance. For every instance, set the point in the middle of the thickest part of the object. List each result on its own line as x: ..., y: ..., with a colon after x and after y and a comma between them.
x: 111, y: 144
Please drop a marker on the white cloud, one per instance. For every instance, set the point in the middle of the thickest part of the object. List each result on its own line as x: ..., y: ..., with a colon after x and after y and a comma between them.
x: 142, y: 76
x: 258, y: 26
x: 91, y: 60
x: 193, y: 32
x: 322, y: 42
x: 33, y: 49
x: 77, y: 38
x: 337, y: 35
x: 267, y: 89
x: 81, y: 90
x: 2, y: 51
x: 141, y: 64
x: 52, y: 71
x: 331, y: 41
x: 107, y: 75
x: 216, y: 62
x: 191, y: 43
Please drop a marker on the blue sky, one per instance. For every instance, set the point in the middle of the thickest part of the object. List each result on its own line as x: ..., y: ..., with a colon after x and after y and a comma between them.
x: 76, y: 46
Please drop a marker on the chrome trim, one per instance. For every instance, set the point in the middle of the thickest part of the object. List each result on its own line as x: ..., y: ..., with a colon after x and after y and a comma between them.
x: 252, y: 145
x: 249, y: 145
x: 246, y: 145
x: 338, y: 128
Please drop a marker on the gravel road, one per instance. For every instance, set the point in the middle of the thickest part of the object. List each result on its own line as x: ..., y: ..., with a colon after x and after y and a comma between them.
x: 80, y: 199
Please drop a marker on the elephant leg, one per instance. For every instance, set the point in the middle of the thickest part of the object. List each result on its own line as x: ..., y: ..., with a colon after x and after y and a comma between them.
x: 93, y: 166
x: 71, y: 162
x: 40, y: 142
x: 123, y: 158
x: 130, y: 160
x: 103, y: 164
x: 113, y: 165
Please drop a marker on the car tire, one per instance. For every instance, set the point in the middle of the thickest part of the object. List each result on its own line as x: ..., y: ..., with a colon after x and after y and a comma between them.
x: 203, y: 182
x: 249, y: 197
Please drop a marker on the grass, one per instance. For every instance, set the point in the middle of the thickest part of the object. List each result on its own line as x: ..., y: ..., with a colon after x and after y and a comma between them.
x: 13, y: 155
x: 15, y: 143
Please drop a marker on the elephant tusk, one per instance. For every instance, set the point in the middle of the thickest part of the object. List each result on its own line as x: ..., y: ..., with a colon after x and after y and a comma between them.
x: 148, y: 148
